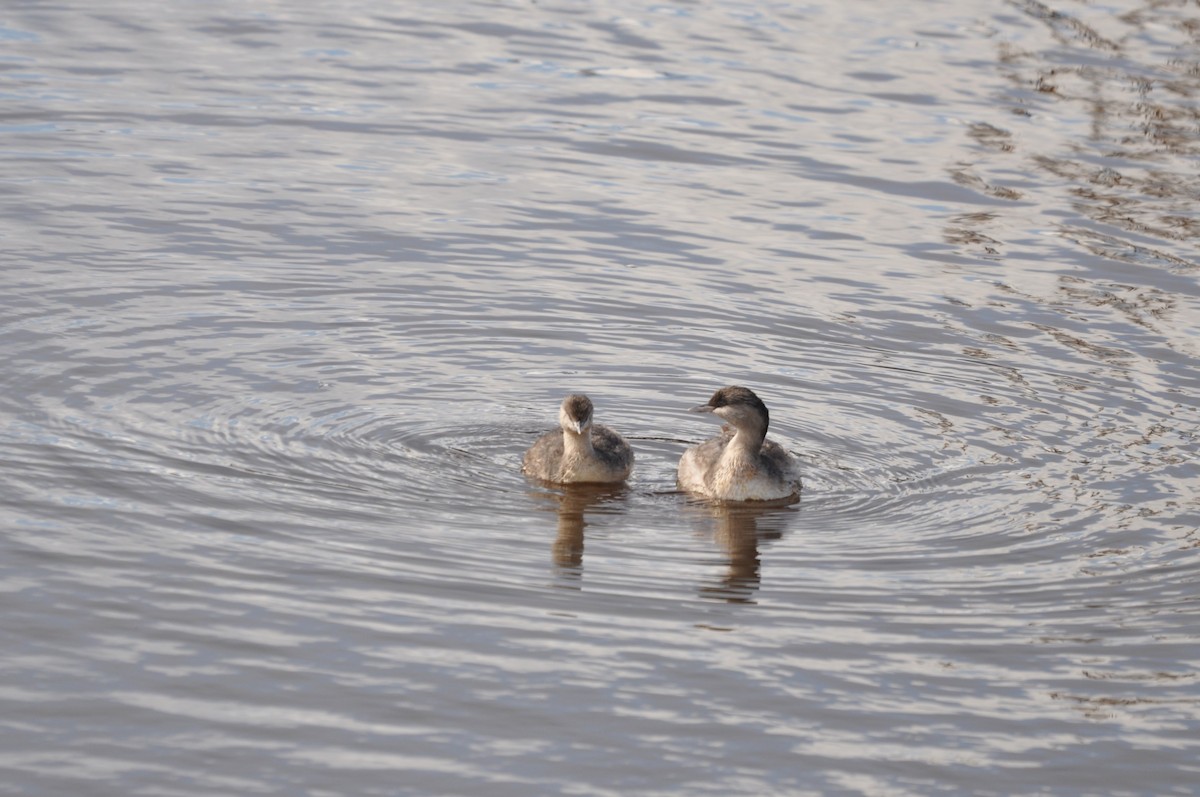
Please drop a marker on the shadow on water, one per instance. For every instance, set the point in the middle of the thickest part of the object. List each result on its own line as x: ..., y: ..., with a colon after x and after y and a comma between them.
x: 572, y: 502
x: 740, y: 530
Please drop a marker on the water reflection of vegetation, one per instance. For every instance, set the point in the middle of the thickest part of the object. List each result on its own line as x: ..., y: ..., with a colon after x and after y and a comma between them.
x: 1136, y: 83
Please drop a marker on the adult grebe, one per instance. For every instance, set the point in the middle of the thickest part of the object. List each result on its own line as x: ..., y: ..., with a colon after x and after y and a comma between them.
x: 582, y: 451
x: 740, y: 464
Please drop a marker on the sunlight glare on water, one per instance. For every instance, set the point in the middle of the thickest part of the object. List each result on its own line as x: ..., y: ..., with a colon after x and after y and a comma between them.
x: 291, y: 287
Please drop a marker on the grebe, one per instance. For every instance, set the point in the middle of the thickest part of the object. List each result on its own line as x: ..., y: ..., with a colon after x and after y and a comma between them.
x: 740, y: 464
x: 582, y: 451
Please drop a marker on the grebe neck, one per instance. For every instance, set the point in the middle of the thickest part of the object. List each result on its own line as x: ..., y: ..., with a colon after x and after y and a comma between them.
x: 578, y: 443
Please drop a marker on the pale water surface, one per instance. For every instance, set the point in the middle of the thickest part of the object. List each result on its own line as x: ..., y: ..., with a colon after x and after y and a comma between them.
x: 289, y: 287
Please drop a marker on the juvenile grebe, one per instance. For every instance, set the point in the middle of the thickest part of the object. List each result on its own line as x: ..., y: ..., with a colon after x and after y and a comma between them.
x: 740, y: 464
x: 582, y: 451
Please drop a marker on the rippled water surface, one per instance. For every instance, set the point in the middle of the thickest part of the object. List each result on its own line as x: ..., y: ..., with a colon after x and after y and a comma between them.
x: 289, y: 287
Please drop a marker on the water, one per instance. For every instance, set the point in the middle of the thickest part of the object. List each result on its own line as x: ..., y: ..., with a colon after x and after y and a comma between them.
x: 290, y: 287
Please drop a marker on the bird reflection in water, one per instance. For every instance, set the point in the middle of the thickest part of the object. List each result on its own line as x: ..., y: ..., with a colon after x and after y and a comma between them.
x: 572, y: 502
x: 740, y: 529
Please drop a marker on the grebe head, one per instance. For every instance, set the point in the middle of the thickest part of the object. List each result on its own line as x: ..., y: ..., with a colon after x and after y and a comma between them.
x: 575, y: 414
x: 739, y: 406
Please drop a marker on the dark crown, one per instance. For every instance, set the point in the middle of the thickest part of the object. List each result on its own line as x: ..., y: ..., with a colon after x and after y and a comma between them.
x: 728, y: 396
x: 578, y: 406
